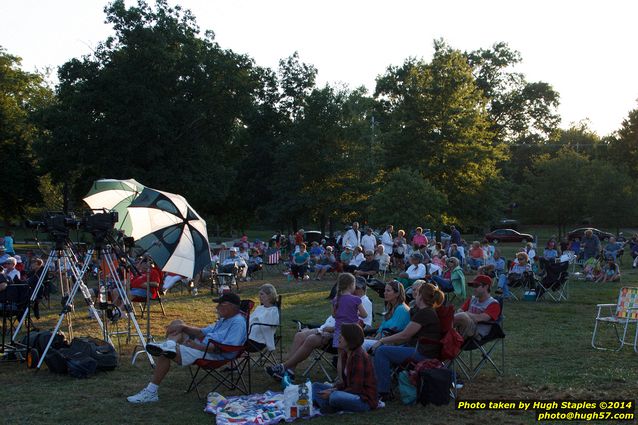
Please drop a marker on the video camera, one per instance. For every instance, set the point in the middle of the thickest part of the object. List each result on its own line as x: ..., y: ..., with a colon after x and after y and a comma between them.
x: 57, y: 224
x: 99, y: 222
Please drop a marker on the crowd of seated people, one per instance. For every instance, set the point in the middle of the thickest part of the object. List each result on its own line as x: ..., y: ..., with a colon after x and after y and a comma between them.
x: 365, y: 366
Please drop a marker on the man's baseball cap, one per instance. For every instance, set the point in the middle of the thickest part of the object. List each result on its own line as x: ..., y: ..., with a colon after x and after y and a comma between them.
x: 228, y: 298
x: 481, y: 280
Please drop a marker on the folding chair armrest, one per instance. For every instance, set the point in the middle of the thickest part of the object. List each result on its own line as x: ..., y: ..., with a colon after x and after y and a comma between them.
x: 605, y: 305
x: 270, y: 325
x: 221, y: 348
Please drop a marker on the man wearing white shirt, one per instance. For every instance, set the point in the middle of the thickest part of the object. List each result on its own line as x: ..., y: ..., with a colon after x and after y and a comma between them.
x: 355, y: 262
x: 360, y: 291
x: 416, y: 270
x: 368, y: 241
x: 387, y: 240
x: 352, y: 236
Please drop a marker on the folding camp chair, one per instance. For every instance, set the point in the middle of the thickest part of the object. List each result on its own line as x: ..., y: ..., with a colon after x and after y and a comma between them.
x: 554, y: 280
x: 321, y: 357
x: 446, y: 320
x: 486, y: 345
x: 225, y: 372
x: 527, y: 283
x: 145, y: 304
x: 14, y: 300
x: 272, y: 263
x: 265, y: 357
x: 624, y: 314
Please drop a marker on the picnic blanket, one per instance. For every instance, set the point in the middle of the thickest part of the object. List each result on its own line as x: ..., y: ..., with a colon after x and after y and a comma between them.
x: 262, y: 409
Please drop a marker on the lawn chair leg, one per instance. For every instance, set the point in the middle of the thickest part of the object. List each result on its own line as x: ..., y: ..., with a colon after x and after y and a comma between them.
x: 620, y: 341
x: 162, y: 306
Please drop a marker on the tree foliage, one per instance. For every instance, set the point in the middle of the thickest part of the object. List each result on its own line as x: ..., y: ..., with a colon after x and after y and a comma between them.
x: 435, y: 120
x: 22, y: 94
x: 156, y: 102
x: 405, y: 199
x: 450, y: 140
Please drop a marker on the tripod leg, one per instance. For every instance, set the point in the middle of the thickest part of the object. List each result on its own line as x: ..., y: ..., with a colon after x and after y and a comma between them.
x: 34, y: 294
x: 131, y: 312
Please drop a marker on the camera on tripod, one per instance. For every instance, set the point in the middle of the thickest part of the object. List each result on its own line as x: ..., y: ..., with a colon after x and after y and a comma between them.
x: 99, y: 222
x: 55, y: 223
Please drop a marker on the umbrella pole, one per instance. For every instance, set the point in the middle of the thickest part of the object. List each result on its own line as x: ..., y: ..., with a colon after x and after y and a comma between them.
x: 148, y: 300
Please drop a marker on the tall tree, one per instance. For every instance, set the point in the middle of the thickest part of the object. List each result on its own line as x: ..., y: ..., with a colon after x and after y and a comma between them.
x: 22, y: 95
x: 156, y: 101
x: 519, y: 110
x: 611, y: 195
x: 434, y: 119
x: 556, y: 190
x: 406, y: 200
x: 622, y: 148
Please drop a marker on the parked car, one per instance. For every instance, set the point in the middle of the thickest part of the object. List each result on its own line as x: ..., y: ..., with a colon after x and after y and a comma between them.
x: 505, y: 223
x: 429, y: 234
x: 508, y: 235
x: 580, y: 232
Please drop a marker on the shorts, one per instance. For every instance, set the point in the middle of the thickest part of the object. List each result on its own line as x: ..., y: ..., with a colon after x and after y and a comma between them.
x: 189, y: 355
x: 139, y: 292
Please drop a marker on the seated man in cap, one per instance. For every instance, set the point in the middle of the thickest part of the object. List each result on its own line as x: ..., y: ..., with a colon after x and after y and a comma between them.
x: 414, y: 272
x: 185, y: 344
x: 481, y: 307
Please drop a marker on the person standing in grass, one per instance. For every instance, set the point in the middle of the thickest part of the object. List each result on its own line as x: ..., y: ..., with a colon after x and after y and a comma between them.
x: 8, y: 243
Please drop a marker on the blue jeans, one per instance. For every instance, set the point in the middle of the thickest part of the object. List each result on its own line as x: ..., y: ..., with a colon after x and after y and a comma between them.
x: 502, y: 283
x: 387, y: 356
x: 474, y: 263
x: 444, y: 284
x: 338, y: 401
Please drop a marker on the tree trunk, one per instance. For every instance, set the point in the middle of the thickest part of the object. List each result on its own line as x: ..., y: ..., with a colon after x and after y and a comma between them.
x: 65, y: 195
x: 322, y: 224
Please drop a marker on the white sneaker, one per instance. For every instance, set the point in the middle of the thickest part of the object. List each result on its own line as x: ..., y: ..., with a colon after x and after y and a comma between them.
x: 144, y: 396
x: 166, y: 349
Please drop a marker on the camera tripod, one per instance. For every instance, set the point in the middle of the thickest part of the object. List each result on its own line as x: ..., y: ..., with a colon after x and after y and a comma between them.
x: 62, y: 254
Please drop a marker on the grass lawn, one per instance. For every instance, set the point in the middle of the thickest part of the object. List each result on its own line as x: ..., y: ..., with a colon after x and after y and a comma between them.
x: 548, y: 356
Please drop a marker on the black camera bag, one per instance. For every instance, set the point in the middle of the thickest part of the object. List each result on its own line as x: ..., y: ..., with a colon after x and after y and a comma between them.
x: 101, y: 351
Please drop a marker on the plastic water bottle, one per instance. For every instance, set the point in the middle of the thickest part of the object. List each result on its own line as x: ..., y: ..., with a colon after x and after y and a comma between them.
x: 102, y: 297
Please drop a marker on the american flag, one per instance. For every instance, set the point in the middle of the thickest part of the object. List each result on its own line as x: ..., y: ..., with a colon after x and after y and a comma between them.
x: 273, y: 258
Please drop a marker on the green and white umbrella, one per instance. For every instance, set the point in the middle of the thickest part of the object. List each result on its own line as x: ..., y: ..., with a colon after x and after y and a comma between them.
x: 115, y: 195
x: 170, y: 231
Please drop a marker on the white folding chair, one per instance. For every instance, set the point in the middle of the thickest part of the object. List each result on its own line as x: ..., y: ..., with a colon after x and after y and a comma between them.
x: 623, y: 314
